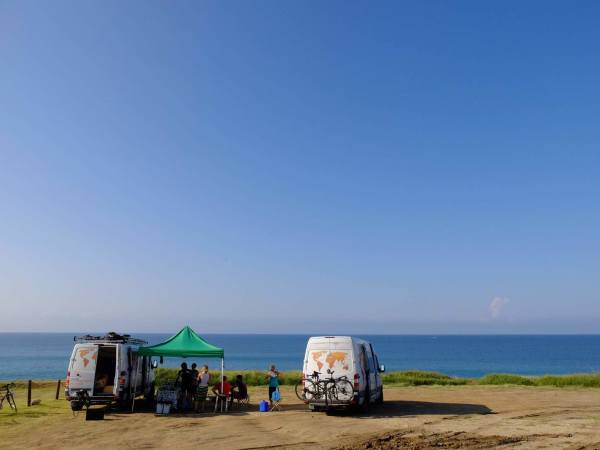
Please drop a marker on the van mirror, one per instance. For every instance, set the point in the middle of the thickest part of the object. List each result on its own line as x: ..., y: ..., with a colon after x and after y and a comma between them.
x: 381, y: 368
x: 154, y: 364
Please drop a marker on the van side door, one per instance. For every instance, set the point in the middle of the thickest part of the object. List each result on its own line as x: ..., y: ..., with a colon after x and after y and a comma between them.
x: 376, y: 362
x: 373, y: 388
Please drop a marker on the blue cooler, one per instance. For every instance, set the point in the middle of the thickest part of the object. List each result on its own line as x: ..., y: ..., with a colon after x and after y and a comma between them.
x: 263, y: 406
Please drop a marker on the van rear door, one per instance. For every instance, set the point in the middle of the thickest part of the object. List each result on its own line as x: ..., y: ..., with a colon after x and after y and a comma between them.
x: 330, y: 355
x: 83, y: 367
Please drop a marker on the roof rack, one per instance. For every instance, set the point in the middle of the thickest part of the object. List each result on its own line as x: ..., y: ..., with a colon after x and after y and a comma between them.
x: 111, y: 337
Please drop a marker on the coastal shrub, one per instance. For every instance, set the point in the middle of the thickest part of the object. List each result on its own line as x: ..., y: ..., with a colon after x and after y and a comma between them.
x: 408, y: 378
x: 504, y: 378
x: 576, y: 380
x: 421, y: 378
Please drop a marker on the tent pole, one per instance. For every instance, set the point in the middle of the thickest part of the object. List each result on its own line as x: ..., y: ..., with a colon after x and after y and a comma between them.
x: 222, y: 374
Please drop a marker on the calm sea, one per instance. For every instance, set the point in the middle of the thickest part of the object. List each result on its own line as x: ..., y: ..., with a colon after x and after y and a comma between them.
x: 45, y: 355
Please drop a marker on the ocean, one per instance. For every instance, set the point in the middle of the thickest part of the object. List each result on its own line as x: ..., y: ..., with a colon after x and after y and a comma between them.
x: 45, y: 355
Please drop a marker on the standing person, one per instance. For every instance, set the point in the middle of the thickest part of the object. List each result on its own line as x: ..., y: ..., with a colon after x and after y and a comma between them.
x: 194, y: 378
x: 202, y: 388
x: 273, y: 379
x: 184, y: 377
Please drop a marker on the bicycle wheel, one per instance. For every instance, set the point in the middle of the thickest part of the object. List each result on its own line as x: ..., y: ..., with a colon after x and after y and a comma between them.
x: 11, y: 401
x: 342, y: 390
x: 306, y: 390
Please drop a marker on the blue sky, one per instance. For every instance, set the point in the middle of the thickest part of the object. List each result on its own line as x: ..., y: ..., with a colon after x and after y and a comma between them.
x: 298, y: 166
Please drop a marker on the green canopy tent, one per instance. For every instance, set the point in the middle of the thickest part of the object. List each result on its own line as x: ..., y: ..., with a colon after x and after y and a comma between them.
x: 185, y: 344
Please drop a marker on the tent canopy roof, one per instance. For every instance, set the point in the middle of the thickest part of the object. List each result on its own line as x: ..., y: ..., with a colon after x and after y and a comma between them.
x: 184, y: 344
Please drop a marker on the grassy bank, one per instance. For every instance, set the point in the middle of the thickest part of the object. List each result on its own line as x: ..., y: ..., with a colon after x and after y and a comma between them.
x: 416, y: 378
x: 251, y: 377
x: 575, y: 380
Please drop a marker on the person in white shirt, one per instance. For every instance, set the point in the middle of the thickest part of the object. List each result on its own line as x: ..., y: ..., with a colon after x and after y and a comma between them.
x: 202, y: 389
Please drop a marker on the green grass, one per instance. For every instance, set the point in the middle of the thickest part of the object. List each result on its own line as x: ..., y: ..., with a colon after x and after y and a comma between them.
x: 503, y: 378
x: 405, y: 378
x: 575, y: 380
x: 49, y: 407
x: 578, y: 380
x: 421, y: 378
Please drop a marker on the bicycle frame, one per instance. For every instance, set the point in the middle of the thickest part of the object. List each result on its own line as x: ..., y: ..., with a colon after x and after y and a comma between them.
x: 9, y: 396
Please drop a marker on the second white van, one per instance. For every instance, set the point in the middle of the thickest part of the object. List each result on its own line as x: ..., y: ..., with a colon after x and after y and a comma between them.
x: 346, y: 358
x: 107, y: 370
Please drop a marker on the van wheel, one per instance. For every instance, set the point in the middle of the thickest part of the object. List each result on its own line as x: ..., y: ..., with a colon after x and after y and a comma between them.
x: 380, y: 399
x: 76, y: 406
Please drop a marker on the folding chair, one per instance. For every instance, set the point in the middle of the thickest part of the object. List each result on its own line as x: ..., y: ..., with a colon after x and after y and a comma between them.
x: 223, y: 400
x: 276, y: 398
x: 245, y: 402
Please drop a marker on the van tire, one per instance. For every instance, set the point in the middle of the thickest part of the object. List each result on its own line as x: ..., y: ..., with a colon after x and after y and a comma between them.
x: 76, y: 406
x: 380, y: 399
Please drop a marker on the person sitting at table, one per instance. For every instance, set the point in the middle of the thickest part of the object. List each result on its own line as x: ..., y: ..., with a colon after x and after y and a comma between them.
x: 239, y: 390
x: 224, y: 390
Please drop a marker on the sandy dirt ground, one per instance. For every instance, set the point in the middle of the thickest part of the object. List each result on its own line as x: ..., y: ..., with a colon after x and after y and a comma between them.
x: 471, y: 417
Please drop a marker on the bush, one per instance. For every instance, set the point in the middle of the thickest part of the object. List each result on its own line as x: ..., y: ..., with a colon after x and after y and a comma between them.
x: 580, y: 380
x: 406, y: 378
x: 502, y: 378
x: 420, y: 378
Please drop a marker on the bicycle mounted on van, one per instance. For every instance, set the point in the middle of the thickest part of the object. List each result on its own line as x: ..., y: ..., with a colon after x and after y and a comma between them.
x: 331, y: 389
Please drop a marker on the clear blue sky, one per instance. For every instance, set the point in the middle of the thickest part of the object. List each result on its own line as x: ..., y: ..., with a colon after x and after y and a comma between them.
x: 299, y: 166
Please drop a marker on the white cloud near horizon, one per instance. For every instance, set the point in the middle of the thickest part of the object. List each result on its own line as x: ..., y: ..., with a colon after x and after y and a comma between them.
x: 497, y: 304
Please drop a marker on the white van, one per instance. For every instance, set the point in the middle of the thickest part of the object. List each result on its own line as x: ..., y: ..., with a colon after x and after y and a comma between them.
x: 344, y: 356
x: 108, y: 370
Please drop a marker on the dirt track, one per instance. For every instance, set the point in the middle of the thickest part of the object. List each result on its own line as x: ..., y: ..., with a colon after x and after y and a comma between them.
x: 470, y: 417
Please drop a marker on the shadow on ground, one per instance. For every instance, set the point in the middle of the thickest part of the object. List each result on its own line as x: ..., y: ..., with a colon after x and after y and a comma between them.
x: 412, y: 408
x: 399, y: 408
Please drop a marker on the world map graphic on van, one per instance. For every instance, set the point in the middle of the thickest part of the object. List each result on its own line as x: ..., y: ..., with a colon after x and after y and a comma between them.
x: 83, y: 353
x: 330, y: 358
